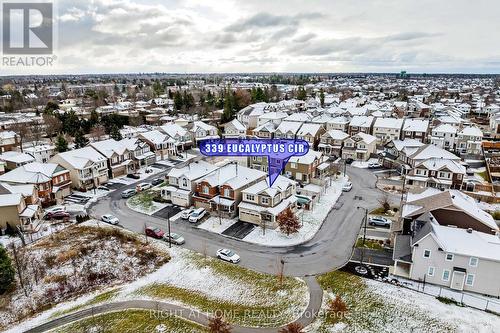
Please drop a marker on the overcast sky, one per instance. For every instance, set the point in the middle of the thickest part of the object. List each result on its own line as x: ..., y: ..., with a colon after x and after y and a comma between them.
x: 107, y: 36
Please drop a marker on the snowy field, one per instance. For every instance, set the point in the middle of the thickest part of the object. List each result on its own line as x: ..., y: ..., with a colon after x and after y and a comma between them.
x: 375, y: 306
x: 312, y: 221
x: 214, y: 225
x: 212, y: 281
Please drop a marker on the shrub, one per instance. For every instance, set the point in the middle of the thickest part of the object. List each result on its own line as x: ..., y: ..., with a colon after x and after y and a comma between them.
x: 6, y: 271
x: 337, y: 306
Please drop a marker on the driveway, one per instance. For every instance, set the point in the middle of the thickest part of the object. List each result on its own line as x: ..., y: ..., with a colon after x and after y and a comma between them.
x: 239, y: 230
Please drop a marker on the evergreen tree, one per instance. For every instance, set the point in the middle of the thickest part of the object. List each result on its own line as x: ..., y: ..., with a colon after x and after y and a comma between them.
x: 80, y: 140
x: 322, y: 97
x: 115, y: 133
x: 94, y: 117
x: 61, y: 144
x: 301, y: 94
x: 178, y: 103
x: 6, y: 271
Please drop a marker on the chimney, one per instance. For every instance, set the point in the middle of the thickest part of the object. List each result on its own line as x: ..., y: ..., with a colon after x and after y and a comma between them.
x: 469, y: 230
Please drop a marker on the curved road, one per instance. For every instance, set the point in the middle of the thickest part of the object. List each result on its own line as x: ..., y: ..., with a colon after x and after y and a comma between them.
x: 329, y: 249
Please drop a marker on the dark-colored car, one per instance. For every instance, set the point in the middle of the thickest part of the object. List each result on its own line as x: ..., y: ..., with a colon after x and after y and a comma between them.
x: 157, y: 181
x: 58, y: 215
x: 154, y: 232
x: 133, y: 176
x: 349, y: 161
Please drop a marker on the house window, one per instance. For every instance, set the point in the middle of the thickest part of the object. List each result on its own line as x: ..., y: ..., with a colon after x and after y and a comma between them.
x: 265, y: 200
x: 427, y: 253
x: 473, y: 261
x: 227, y: 192
x: 250, y: 197
x: 449, y: 257
x: 184, y: 182
x: 446, y: 275
x: 205, y: 189
x: 430, y: 271
x: 469, y: 280
x: 293, y: 165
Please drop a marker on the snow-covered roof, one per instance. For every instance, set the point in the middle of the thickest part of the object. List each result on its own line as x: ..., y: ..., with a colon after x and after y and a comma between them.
x: 400, y: 144
x: 289, y: 127
x: 437, y: 164
x: 233, y: 175
x: 192, y: 170
x: 276, y: 115
x: 341, y: 120
x: 361, y: 121
x: 16, y: 157
x: 470, y: 244
x: 445, y: 128
x: 307, y: 158
x: 32, y: 173
x: 154, y: 136
x: 430, y: 151
x: 388, y: 123
x: 4, y: 135
x: 299, y: 116
x: 237, y: 125
x: 309, y: 129
x: 79, y: 158
x: 336, y: 134
x: 173, y: 130
x: 266, y: 127
x: 12, y: 199
x: 416, y: 125
x: 367, y: 138
x: 202, y: 125
x: 471, y: 131
x: 280, y: 184
x: 109, y: 147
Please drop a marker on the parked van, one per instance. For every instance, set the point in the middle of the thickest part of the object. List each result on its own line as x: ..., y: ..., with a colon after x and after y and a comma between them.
x: 197, y: 215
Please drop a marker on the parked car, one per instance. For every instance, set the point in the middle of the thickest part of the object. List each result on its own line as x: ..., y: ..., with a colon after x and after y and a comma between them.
x: 128, y: 193
x: 379, y: 221
x: 175, y: 238
x: 374, y: 165
x: 186, y: 213
x: 349, y: 161
x: 58, y: 215
x: 143, y: 186
x: 347, y: 187
x: 133, y: 176
x: 228, y: 255
x: 55, y: 209
x: 197, y: 215
x: 104, y: 188
x: 157, y: 181
x: 111, y: 219
x: 155, y: 232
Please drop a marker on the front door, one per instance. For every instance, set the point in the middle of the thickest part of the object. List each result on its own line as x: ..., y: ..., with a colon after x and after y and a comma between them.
x: 457, y: 281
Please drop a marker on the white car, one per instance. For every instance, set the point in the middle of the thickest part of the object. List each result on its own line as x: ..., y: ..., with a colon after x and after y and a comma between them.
x: 175, y: 238
x: 143, y: 186
x: 111, y: 219
x: 55, y: 209
x: 186, y: 213
x: 228, y: 255
x: 347, y: 187
x: 374, y: 165
x: 197, y: 215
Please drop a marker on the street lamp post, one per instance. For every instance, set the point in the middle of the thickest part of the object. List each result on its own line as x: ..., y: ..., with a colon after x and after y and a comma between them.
x: 365, y: 219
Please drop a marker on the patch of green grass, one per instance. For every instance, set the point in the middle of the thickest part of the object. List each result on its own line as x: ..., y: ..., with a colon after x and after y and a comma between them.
x: 132, y: 321
x: 447, y: 300
x: 484, y: 175
x: 143, y: 200
x: 369, y: 244
x: 101, y: 298
x: 369, y: 311
x: 496, y: 214
x: 272, y: 302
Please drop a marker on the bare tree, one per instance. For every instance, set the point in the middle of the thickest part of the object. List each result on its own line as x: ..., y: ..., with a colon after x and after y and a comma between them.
x: 292, y: 328
x: 37, y: 131
x: 384, y: 203
x: 23, y: 131
x: 97, y: 133
x: 218, y: 325
x: 19, y: 261
x: 52, y: 125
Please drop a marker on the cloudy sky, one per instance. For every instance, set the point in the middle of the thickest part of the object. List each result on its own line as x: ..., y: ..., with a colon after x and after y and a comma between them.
x: 108, y: 36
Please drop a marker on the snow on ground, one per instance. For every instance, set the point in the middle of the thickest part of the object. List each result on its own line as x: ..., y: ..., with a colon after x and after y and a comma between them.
x: 214, y: 225
x: 490, y: 207
x: 166, y: 163
x: 149, y: 208
x: 364, y: 164
x: 142, y: 174
x: 465, y: 319
x: 312, y: 221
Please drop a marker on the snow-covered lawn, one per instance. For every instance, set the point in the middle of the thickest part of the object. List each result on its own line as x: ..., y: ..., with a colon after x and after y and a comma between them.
x: 72, y: 262
x: 311, y: 221
x: 214, y: 225
x: 143, y: 203
x: 203, y: 284
x: 142, y: 174
x: 363, y: 164
x: 375, y: 306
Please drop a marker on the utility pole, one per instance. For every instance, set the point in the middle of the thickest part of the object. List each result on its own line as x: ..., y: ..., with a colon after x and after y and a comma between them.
x: 169, y: 235
x: 365, y: 218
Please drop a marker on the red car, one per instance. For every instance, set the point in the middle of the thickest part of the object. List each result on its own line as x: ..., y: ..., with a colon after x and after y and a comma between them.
x: 154, y: 232
x: 59, y: 215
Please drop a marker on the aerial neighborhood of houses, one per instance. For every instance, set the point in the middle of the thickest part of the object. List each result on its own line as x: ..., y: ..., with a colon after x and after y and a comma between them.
x: 419, y: 154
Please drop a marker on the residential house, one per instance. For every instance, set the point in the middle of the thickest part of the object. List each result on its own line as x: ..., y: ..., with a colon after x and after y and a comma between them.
x: 265, y: 131
x: 304, y: 168
x: 359, y: 147
x: 41, y: 153
x: 287, y: 130
x: 331, y: 142
x: 469, y: 140
x: 387, y: 129
x: 220, y: 191
x: 203, y: 131
x: 360, y: 124
x: 181, y: 182
x: 52, y: 181
x: 234, y: 129
x: 340, y: 123
x: 395, y: 152
x: 161, y: 144
x: 415, y: 129
x: 9, y: 140
x: 87, y: 167
x: 261, y: 204
x: 119, y: 159
x: 15, y: 159
x: 140, y: 152
x: 444, y: 136
x: 437, y: 172
x: 275, y: 117
x: 14, y: 212
x: 249, y: 115
x: 300, y: 117
x: 182, y: 138
x: 311, y: 133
